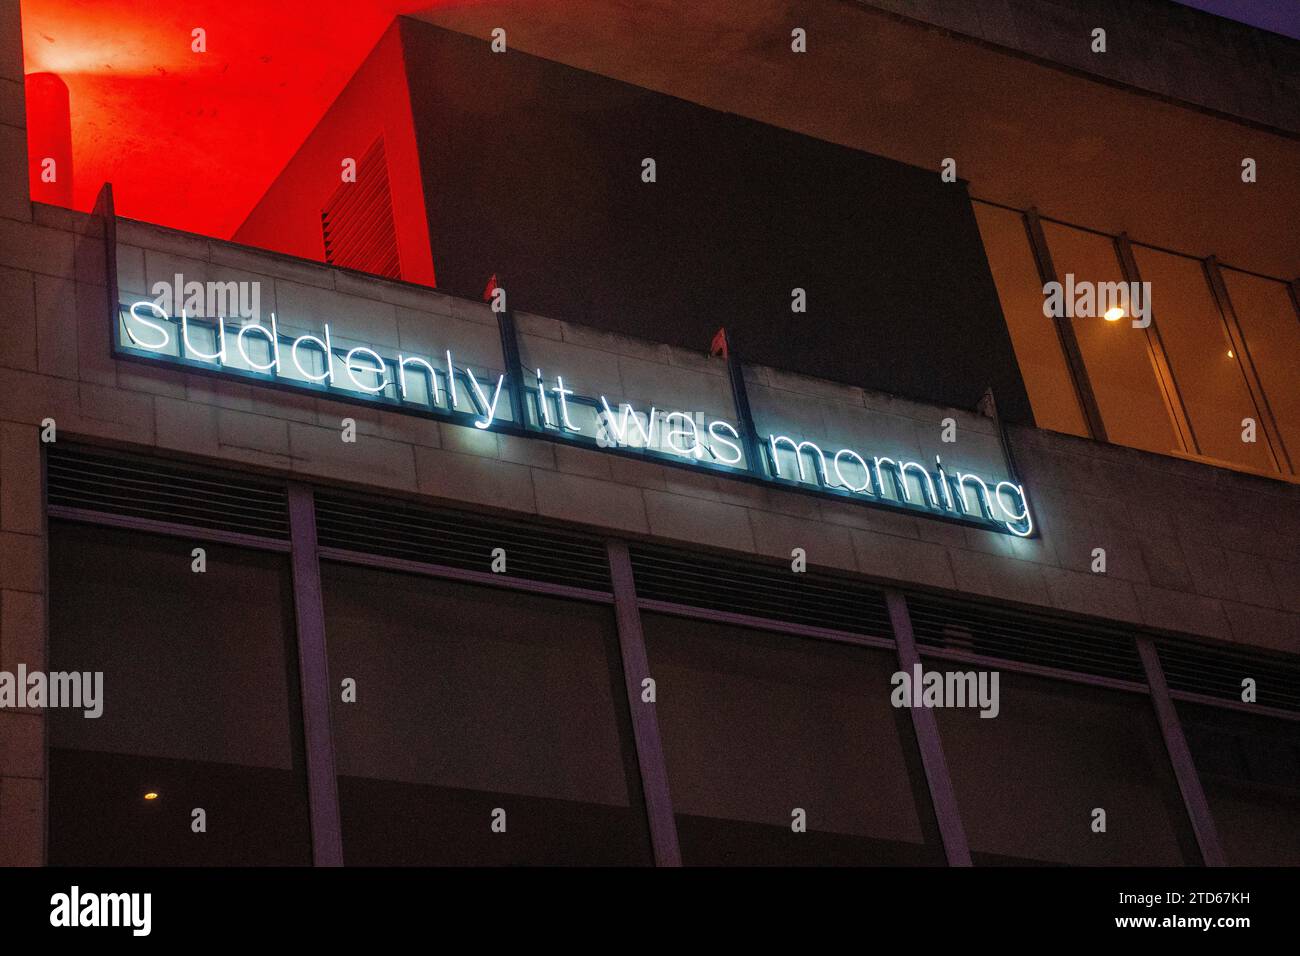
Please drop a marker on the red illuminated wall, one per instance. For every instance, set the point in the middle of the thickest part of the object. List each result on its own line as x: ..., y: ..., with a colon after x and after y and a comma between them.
x: 192, y: 140
x: 49, y: 143
x: 375, y: 103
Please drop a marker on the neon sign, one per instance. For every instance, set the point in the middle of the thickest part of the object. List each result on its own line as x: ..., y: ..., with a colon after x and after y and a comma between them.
x: 534, y: 404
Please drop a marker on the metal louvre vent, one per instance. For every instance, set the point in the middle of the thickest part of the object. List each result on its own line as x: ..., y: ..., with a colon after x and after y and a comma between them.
x: 1218, y: 672
x: 163, y: 491
x: 1026, y: 637
x: 760, y: 590
x: 398, y: 529
x: 357, y: 222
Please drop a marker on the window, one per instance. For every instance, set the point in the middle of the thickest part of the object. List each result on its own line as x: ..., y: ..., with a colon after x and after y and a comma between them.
x: 1205, y: 366
x: 1250, y: 771
x: 756, y: 726
x: 1271, y: 326
x: 477, y: 706
x: 1033, y: 334
x: 200, y: 706
x: 1029, y: 780
x: 1116, y: 355
x: 1205, y: 388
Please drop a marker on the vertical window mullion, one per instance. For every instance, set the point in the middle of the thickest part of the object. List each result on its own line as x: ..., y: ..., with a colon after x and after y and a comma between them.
x: 645, y: 723
x: 942, y: 794
x: 1065, y: 332
x: 1164, y: 372
x: 1258, y: 396
x: 1180, y: 756
x: 313, y: 676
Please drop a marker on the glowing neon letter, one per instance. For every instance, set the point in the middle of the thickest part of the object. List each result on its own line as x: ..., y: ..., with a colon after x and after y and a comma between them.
x: 451, y: 381
x: 695, y: 449
x: 160, y: 329
x: 561, y: 391
x: 819, y: 470
x: 219, y: 356
x: 272, y: 337
x: 927, y: 489
x: 541, y: 401
x: 619, y: 428
x: 328, y: 374
x: 403, y: 361
x: 899, y: 483
x: 490, y: 410
x: 1024, y: 505
x: 378, y: 370
x: 713, y: 427
x: 866, y: 485
x: 965, y: 501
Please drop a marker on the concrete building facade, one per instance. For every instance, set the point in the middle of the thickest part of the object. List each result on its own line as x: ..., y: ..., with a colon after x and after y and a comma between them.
x: 1202, y: 563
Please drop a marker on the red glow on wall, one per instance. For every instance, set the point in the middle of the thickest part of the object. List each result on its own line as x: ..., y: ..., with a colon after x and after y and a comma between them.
x: 191, y: 139
x: 49, y: 139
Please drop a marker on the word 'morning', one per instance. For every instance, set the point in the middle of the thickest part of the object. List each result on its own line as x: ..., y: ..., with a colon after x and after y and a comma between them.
x: 958, y: 493
x: 486, y: 400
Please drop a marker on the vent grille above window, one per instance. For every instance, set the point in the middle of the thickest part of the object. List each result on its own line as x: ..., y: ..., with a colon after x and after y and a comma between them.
x: 357, y: 222
x: 1218, y: 672
x: 112, y: 483
x: 1026, y: 637
x: 164, y: 491
x: 456, y: 540
x: 760, y: 590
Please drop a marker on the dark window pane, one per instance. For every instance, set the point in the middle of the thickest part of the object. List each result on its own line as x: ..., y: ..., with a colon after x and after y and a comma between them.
x: 200, y: 704
x: 756, y: 725
x: 1250, y: 770
x: 1028, y: 780
x: 470, y: 699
